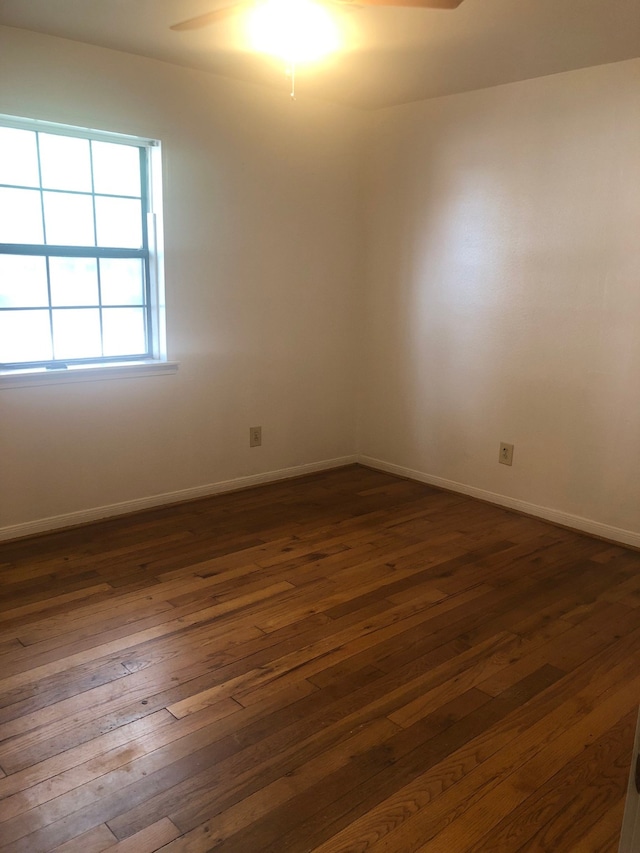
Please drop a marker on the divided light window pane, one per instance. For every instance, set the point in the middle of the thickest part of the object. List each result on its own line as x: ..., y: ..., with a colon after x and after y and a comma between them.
x: 23, y: 282
x: 76, y: 333
x: 68, y: 219
x: 119, y: 222
x: 123, y: 331
x: 25, y: 336
x: 116, y: 169
x: 74, y: 281
x: 20, y: 216
x: 121, y: 281
x: 65, y: 163
x: 18, y: 157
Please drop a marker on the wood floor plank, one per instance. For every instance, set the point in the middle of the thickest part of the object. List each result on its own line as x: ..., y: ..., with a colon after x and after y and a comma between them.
x: 284, y: 789
x: 127, y: 641
x: 368, y: 793
x: 348, y: 662
x: 23, y: 733
x: 48, y: 604
x: 10, y: 646
x: 22, y: 781
x: 604, y: 835
x: 555, y: 815
x: 493, y: 803
x: 150, y: 839
x: 106, y: 762
x: 441, y: 796
x: 94, y: 841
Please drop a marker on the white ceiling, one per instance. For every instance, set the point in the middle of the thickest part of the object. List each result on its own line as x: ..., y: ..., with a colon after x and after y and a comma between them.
x: 392, y: 55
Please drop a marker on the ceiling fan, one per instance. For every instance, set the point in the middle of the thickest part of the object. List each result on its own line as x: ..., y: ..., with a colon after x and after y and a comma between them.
x: 226, y: 11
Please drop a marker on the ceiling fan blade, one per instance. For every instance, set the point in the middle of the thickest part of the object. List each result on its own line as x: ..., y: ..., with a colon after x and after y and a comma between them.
x: 212, y: 17
x: 420, y: 4
x: 235, y: 8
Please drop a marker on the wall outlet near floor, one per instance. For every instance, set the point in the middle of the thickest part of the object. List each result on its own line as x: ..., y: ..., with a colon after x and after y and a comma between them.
x: 506, y: 454
x: 255, y: 436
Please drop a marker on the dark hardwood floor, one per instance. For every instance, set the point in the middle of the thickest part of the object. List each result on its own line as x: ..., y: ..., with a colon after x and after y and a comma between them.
x: 344, y: 663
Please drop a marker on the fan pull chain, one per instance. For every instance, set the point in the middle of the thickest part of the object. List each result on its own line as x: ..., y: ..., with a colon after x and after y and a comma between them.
x: 291, y: 72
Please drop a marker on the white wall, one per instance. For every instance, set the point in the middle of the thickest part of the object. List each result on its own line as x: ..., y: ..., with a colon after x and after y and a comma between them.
x: 261, y: 260
x: 503, y: 294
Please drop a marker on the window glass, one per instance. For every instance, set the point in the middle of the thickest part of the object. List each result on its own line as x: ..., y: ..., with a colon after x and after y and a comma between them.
x: 123, y: 331
x: 65, y: 163
x: 18, y: 157
x: 119, y: 222
x: 68, y: 219
x: 25, y: 336
x: 121, y: 281
x: 23, y: 282
x: 76, y: 333
x: 20, y: 216
x: 74, y: 281
x: 116, y: 169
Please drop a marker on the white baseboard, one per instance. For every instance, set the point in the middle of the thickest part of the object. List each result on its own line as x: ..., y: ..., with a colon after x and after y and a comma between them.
x: 565, y: 519
x: 71, y: 519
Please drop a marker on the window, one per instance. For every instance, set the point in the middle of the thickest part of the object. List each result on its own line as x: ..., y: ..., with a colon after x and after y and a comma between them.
x: 80, y: 281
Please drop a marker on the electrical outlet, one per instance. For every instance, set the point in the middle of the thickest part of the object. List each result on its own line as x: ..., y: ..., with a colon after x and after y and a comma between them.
x: 255, y: 436
x: 506, y: 454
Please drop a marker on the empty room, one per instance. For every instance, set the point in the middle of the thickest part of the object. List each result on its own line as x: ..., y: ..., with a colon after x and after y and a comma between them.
x: 319, y: 426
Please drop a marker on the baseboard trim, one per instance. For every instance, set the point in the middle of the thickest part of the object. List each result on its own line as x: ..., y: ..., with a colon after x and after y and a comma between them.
x: 564, y: 519
x: 73, y: 519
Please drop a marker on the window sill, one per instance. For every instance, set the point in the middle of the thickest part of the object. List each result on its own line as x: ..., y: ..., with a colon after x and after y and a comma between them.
x: 85, y: 373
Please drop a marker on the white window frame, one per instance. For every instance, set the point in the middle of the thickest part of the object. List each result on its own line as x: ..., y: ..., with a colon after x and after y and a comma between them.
x: 156, y: 360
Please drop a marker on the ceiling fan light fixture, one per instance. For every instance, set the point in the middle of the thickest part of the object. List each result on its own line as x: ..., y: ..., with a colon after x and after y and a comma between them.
x: 296, y: 31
